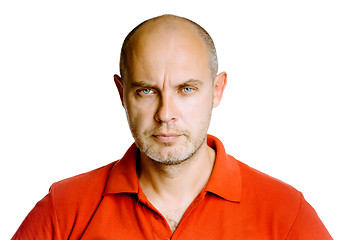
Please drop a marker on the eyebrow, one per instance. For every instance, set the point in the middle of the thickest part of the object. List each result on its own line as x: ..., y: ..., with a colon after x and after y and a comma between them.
x: 142, y: 84
x: 190, y: 82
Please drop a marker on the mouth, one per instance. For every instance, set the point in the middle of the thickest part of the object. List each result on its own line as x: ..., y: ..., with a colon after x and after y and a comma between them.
x: 166, y: 137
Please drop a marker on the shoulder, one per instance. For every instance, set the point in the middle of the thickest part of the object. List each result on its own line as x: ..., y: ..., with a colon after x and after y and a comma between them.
x: 67, y: 208
x: 267, y: 195
x: 81, y: 186
x: 278, y: 207
x: 255, y: 182
x: 79, y: 195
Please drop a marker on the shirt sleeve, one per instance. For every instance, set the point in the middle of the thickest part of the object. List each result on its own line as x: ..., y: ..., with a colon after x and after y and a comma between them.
x: 307, y: 224
x: 41, y: 222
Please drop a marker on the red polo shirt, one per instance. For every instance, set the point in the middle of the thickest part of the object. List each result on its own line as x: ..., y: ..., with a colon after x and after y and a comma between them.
x: 238, y: 202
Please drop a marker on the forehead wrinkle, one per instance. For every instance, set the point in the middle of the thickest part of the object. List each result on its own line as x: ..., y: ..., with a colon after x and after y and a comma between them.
x: 148, y: 44
x: 190, y: 82
x: 153, y: 33
x: 169, y: 22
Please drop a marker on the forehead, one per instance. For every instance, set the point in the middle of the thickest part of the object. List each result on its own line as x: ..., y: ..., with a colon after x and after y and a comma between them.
x: 171, y: 48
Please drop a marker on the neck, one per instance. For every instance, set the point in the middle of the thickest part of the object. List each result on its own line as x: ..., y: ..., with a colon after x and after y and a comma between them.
x: 181, y: 181
x: 172, y: 188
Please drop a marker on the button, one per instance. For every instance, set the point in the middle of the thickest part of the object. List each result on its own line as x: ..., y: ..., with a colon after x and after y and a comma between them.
x: 156, y: 216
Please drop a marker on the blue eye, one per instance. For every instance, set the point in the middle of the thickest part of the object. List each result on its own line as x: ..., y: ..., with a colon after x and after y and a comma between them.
x: 187, y: 90
x: 146, y: 91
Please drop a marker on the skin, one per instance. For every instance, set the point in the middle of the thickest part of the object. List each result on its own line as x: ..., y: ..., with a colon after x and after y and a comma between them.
x: 168, y: 95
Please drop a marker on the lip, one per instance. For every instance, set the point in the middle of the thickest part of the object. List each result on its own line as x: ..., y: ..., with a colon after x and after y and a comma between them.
x: 166, y: 137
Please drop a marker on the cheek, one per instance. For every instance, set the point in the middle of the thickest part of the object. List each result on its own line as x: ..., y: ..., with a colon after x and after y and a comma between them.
x: 197, y: 110
x: 139, y: 113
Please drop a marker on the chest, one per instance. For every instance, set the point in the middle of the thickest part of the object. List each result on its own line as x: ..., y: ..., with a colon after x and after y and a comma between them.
x: 127, y: 218
x: 172, y: 216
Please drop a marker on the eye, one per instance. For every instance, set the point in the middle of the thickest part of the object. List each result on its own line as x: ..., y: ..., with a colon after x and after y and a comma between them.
x: 187, y: 90
x: 145, y: 91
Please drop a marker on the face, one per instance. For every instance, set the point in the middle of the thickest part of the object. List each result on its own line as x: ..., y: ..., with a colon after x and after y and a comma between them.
x: 169, y: 93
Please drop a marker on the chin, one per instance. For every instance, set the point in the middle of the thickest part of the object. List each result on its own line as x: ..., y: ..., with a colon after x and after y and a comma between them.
x: 173, y: 156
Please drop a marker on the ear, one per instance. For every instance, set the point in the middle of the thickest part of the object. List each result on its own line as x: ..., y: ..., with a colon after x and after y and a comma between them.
x: 219, y: 86
x: 119, y: 85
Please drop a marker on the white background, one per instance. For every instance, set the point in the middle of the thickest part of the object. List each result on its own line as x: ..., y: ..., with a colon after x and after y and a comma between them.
x: 291, y: 108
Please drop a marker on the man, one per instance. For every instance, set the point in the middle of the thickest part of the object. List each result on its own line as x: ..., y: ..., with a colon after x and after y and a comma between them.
x: 175, y: 182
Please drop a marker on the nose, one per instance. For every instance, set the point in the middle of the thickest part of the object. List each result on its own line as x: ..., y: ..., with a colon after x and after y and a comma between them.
x: 166, y: 111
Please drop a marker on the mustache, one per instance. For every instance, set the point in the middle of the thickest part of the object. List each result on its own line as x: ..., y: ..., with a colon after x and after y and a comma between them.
x: 166, y: 128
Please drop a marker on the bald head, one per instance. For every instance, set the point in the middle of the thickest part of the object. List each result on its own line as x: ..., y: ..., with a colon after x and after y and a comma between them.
x: 166, y: 24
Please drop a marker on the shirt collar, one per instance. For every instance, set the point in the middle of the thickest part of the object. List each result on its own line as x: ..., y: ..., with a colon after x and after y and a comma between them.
x: 123, y: 177
x: 225, y: 179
